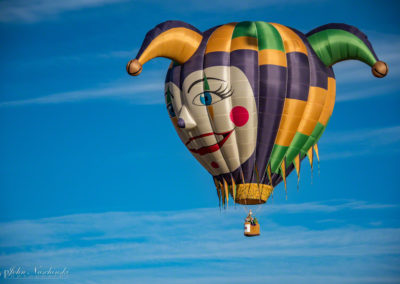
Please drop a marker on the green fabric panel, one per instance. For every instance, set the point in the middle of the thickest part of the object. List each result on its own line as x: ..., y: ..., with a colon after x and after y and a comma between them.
x: 268, y: 37
x: 206, y: 86
x: 335, y: 45
x: 168, y: 96
x: 294, y: 149
x: 245, y: 29
x: 320, y: 134
x: 278, y: 152
x: 317, y: 132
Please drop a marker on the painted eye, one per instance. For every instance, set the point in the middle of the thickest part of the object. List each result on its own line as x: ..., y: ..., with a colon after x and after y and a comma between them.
x: 206, y: 99
x: 171, y: 111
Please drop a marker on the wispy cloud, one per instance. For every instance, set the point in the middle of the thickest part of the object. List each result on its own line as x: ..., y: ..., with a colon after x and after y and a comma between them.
x: 80, y: 57
x: 34, y: 10
x: 366, y: 92
x: 150, y: 93
x: 372, y: 136
x: 360, y: 142
x: 202, y: 245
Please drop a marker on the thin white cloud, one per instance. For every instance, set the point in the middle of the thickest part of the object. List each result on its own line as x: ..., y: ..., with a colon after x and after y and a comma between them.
x: 374, y: 136
x: 202, y: 245
x: 35, y: 10
x: 366, y: 92
x: 149, y: 93
x: 360, y: 143
x: 52, y: 230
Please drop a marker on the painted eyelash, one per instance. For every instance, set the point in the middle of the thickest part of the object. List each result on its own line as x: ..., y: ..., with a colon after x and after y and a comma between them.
x: 227, y: 92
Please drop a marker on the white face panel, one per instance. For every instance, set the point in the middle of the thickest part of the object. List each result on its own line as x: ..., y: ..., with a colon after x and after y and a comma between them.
x: 219, y: 111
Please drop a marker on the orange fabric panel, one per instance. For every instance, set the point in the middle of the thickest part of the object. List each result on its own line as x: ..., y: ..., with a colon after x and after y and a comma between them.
x: 291, y: 116
x: 329, y: 103
x: 220, y: 40
x: 291, y: 40
x: 272, y: 57
x: 315, y: 103
x: 178, y: 44
x: 244, y: 42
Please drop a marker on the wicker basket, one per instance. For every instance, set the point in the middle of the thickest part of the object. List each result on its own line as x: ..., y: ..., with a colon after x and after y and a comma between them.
x: 251, y: 230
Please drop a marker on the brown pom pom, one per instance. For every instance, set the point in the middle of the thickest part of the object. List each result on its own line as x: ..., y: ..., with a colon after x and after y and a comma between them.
x: 380, y: 69
x: 133, y: 67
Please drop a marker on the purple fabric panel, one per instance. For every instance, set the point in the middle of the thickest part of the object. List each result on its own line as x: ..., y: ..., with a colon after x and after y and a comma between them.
x: 160, y: 28
x: 348, y: 28
x: 218, y: 58
x: 330, y: 72
x: 318, y: 70
x: 174, y: 75
x: 247, y: 61
x: 227, y: 177
x: 168, y: 76
x: 272, y: 97
x: 196, y: 62
x: 298, y: 76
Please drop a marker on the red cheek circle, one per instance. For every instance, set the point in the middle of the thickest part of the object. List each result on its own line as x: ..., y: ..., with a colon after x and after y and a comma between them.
x: 215, y: 165
x: 239, y: 116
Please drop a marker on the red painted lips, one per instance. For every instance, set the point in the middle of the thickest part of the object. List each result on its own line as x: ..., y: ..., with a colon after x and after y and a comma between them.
x: 210, y: 149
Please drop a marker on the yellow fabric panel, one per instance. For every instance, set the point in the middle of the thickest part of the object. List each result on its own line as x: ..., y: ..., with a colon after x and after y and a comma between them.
x: 316, y: 151
x: 292, y: 112
x: 310, y: 156
x: 296, y: 163
x: 226, y: 191
x: 291, y: 41
x: 178, y: 44
x: 329, y: 102
x: 312, y: 112
x: 272, y: 57
x: 244, y: 42
x: 283, y: 172
x: 257, y: 174
x: 332, y: 88
x: 233, y: 188
x: 220, y: 40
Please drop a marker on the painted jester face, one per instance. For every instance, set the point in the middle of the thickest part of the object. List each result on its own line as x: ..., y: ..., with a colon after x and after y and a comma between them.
x: 215, y: 116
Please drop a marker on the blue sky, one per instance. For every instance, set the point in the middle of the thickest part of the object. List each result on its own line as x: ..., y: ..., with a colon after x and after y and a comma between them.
x: 94, y: 178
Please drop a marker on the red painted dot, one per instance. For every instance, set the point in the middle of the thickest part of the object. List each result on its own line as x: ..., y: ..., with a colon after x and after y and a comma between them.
x: 215, y: 165
x: 239, y: 116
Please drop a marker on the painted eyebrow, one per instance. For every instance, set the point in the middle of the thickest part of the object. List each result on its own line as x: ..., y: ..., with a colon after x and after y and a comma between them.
x: 202, y: 80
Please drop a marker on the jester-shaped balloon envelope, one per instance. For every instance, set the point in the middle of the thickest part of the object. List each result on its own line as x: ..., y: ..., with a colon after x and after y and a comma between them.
x: 250, y: 100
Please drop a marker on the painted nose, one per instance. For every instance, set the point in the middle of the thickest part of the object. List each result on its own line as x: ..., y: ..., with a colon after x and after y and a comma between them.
x: 185, y: 120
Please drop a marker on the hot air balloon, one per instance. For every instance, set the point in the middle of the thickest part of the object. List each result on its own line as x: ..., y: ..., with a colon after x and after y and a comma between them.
x: 250, y: 100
